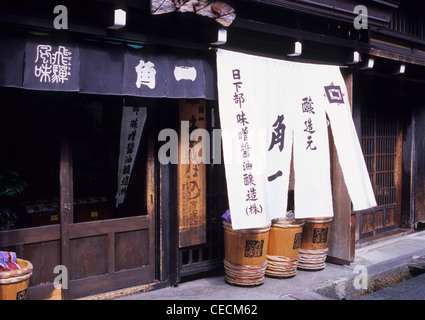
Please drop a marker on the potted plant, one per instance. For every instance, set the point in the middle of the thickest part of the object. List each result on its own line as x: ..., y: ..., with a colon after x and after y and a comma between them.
x: 11, y: 184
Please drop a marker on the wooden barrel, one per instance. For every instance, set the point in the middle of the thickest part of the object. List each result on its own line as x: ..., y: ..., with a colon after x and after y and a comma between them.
x: 245, y: 254
x: 316, y: 233
x: 14, y: 283
x: 285, y: 238
x: 283, y: 250
x: 314, y: 243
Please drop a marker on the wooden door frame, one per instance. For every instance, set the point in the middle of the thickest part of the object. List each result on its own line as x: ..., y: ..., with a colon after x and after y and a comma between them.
x: 48, y: 246
x: 398, y: 181
x: 113, y: 279
x: 402, y: 194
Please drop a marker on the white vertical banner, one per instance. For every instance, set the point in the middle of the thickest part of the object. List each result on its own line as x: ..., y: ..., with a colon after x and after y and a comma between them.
x: 266, y: 105
x: 254, y: 126
x: 312, y: 191
x: 132, y: 123
x: 350, y: 156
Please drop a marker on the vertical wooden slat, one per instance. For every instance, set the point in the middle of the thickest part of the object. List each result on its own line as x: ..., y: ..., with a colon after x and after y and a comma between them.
x: 151, y: 195
x: 66, y: 202
x: 374, y: 135
x: 19, y: 250
x: 111, y: 252
x: 398, y: 174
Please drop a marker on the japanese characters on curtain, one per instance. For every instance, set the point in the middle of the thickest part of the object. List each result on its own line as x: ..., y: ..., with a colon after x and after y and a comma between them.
x: 267, y: 107
x: 99, y: 68
x: 256, y: 128
x: 51, y: 66
x: 145, y: 75
x: 312, y: 191
x: 132, y: 124
x: 152, y: 74
x: 328, y: 90
x: 349, y: 151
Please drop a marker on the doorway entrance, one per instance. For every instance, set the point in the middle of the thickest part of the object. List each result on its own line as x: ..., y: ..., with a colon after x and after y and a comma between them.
x: 66, y: 148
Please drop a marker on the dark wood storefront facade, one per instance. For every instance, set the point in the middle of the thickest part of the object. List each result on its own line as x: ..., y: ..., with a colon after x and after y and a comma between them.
x: 141, y: 246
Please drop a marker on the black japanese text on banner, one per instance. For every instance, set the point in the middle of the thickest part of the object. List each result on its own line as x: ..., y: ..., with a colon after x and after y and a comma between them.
x: 132, y: 123
x: 312, y: 192
x: 269, y: 102
x: 256, y: 146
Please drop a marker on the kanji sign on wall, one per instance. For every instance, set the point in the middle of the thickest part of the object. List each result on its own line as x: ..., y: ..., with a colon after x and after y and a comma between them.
x: 191, y: 176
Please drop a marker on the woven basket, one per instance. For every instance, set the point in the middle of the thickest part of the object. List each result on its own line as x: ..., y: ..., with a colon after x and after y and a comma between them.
x: 14, y: 283
x: 314, y: 244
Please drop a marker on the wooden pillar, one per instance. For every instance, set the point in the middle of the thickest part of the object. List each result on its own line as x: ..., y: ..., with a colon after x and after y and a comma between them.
x: 342, y: 236
x: 66, y: 202
x: 418, y: 202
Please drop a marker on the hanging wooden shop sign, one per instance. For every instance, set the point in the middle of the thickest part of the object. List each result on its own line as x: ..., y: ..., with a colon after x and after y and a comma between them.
x: 191, y: 174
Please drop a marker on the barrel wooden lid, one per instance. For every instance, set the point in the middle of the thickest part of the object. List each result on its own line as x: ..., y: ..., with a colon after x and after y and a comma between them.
x: 228, y: 226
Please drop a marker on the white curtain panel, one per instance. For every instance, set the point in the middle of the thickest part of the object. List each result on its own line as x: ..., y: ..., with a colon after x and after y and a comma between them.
x: 269, y: 106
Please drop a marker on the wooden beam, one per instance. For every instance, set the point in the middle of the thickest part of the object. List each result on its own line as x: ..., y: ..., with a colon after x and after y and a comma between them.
x: 396, y: 55
x: 272, y: 29
x: 379, y: 15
